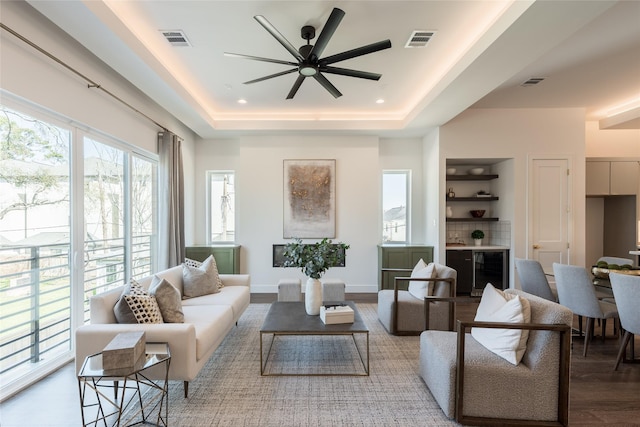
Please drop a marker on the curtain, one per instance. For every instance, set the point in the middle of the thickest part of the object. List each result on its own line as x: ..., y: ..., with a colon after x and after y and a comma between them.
x: 171, y: 250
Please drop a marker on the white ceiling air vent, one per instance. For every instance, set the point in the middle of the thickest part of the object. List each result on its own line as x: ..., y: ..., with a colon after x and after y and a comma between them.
x: 532, y: 81
x: 419, y: 38
x: 175, y: 37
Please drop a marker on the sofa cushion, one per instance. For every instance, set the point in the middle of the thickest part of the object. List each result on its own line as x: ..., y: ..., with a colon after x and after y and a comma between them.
x: 211, y: 322
x: 122, y: 310
x: 168, y: 299
x: 421, y: 289
x: 496, y: 306
x: 198, y: 281
x: 235, y: 296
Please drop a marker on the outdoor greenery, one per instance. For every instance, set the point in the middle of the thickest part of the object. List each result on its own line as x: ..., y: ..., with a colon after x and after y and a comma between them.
x: 314, y: 259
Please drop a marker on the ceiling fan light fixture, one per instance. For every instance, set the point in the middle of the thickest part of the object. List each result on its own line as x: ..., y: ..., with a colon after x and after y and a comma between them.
x: 308, y: 70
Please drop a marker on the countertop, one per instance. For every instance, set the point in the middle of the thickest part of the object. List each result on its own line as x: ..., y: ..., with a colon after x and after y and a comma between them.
x: 457, y: 247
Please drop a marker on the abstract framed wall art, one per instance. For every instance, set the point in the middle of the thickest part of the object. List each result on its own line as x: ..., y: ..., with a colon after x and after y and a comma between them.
x: 309, y: 199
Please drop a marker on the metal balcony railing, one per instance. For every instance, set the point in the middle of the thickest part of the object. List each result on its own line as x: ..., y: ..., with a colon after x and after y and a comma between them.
x: 36, y: 289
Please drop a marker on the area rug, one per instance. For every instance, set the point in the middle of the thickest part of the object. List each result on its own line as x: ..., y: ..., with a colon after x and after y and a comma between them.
x: 229, y: 391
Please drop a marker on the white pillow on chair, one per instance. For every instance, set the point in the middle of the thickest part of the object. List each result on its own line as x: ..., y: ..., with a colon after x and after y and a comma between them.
x: 421, y: 289
x: 496, y: 306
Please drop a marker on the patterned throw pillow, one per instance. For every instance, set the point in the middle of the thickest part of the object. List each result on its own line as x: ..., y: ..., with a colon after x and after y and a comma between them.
x: 192, y: 263
x: 145, y: 308
x: 122, y: 311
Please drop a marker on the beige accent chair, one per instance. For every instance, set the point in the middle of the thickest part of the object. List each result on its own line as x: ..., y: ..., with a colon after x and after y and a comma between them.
x: 474, y: 386
x: 401, y: 313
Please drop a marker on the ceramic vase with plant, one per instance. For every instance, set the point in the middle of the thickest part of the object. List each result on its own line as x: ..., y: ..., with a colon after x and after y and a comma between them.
x: 313, y: 259
x: 477, y: 236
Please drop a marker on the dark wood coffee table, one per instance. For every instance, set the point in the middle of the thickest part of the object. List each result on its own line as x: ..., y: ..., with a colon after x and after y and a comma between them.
x: 290, y: 318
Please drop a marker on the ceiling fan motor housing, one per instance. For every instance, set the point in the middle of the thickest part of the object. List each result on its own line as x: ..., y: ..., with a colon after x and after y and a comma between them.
x: 308, y: 32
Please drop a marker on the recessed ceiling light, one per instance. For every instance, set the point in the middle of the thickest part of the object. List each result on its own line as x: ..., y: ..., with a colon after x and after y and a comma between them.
x: 379, y: 101
x: 242, y: 101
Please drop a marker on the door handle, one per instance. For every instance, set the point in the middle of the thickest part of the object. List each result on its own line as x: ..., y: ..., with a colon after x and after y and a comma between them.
x: 536, y: 246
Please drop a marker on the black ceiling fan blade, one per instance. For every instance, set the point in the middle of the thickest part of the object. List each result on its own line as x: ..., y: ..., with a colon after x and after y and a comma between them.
x: 364, y: 50
x: 327, y: 85
x: 276, y: 34
x: 282, y: 73
x: 351, y: 73
x: 296, y: 86
x: 259, y: 58
x: 327, y: 32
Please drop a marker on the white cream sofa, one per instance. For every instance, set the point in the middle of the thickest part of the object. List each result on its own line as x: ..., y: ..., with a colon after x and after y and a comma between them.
x: 207, y: 320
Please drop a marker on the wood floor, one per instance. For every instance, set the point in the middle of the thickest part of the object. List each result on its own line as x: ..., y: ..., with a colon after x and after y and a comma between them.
x: 598, y: 396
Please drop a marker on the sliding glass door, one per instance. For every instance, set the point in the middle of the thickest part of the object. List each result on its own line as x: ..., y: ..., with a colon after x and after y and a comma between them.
x: 77, y: 217
x: 35, y: 244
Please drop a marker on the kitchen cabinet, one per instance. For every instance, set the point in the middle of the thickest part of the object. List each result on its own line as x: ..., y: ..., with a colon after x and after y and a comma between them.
x: 403, y: 257
x: 604, y: 178
x: 227, y: 256
x: 477, y: 267
x: 462, y: 262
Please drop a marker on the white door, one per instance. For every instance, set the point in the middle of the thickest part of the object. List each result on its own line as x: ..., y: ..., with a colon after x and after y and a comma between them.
x: 549, y: 212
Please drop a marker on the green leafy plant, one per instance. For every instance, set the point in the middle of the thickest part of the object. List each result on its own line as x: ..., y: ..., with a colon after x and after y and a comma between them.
x: 477, y: 234
x: 314, y: 259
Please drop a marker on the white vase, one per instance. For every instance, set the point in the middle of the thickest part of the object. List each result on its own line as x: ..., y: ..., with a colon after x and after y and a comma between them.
x: 449, y: 212
x: 313, y: 297
x: 478, y: 242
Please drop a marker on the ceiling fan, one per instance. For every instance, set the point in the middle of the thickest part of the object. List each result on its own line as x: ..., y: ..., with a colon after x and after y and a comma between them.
x: 309, y: 63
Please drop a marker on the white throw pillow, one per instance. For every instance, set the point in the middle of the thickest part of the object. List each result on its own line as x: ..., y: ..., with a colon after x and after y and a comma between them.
x: 497, y: 306
x: 421, y: 289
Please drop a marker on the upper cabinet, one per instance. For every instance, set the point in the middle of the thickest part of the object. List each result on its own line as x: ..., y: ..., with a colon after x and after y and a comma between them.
x: 614, y: 178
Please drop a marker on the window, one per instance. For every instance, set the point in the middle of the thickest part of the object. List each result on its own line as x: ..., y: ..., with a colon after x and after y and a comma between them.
x: 35, y: 275
x: 395, y: 206
x: 99, y: 213
x: 221, y: 202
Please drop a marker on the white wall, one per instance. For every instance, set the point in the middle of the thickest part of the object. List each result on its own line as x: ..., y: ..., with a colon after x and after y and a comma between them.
x: 522, y: 135
x: 434, y: 187
x: 407, y: 154
x: 258, y: 162
x: 611, y: 142
x: 34, y: 79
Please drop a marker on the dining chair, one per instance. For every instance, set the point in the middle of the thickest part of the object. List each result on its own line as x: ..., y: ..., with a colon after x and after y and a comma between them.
x: 577, y: 293
x: 533, y: 279
x: 626, y: 290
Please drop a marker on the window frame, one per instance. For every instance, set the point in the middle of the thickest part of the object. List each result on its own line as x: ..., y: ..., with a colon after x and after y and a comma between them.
x: 407, y: 175
x: 208, y: 213
x: 79, y: 132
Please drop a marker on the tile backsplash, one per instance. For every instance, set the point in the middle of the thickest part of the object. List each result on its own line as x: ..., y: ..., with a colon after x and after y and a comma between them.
x: 495, y: 233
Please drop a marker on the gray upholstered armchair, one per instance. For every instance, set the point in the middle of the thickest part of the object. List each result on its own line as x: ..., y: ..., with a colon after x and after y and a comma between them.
x: 477, y: 387
x: 401, y: 313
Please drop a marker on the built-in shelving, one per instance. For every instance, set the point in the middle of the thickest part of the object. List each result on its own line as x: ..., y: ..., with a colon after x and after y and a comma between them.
x: 472, y: 199
x: 471, y: 177
x: 484, y: 177
x: 470, y: 219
